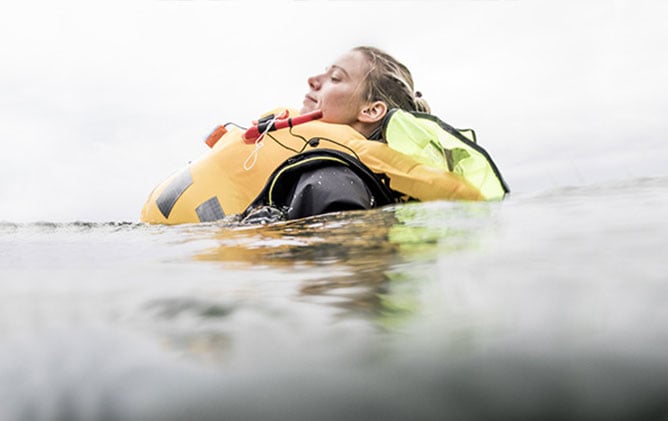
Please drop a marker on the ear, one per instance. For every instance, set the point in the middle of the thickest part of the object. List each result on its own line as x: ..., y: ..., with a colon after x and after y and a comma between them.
x: 372, y: 112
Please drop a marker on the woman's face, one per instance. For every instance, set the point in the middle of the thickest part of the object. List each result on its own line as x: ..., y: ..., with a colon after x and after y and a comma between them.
x: 338, y: 91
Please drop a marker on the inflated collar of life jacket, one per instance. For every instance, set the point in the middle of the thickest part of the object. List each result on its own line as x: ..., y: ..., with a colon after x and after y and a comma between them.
x: 433, y: 142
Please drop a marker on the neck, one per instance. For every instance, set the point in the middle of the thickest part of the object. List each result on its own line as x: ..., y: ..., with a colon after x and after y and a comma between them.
x: 368, y: 130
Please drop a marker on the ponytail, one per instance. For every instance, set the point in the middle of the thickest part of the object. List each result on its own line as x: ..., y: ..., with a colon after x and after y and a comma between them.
x: 421, y: 104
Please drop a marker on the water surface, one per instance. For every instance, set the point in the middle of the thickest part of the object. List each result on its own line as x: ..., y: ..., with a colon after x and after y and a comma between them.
x: 551, y: 304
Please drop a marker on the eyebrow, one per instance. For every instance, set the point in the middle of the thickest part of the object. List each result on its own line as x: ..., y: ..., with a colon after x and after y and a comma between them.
x: 334, y: 66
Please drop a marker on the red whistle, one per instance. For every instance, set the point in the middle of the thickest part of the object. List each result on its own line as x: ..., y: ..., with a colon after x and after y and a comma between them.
x: 256, y: 131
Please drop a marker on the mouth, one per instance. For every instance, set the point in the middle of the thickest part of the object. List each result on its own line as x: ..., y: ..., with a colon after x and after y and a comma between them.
x: 309, y: 104
x: 309, y: 100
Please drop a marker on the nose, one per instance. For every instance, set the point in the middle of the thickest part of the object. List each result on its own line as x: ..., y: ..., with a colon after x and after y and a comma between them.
x: 314, y: 82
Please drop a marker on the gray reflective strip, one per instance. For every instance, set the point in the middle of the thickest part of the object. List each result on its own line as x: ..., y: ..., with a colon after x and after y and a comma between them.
x: 210, y: 210
x: 171, y: 194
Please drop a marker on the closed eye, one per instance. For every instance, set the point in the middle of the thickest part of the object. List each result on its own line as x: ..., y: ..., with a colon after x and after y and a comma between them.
x: 336, y: 73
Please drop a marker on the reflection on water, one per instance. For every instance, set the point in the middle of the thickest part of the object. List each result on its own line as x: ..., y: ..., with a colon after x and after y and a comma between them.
x: 359, y: 261
x: 363, y: 240
x: 365, y: 270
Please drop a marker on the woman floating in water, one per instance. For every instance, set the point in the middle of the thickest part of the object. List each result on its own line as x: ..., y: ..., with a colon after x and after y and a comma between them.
x: 363, y: 138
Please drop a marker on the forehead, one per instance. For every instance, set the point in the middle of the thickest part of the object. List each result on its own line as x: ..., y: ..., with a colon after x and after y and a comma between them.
x: 354, y: 63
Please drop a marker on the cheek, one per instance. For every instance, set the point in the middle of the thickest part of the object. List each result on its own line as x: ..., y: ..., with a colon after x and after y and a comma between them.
x: 343, y: 100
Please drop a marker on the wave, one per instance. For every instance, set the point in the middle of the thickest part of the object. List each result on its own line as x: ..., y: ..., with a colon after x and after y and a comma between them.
x: 627, y: 186
x: 76, y: 226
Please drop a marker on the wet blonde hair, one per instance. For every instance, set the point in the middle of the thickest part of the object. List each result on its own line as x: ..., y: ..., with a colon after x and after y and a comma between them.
x: 390, y: 81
